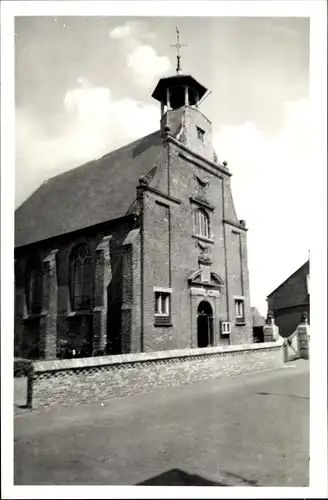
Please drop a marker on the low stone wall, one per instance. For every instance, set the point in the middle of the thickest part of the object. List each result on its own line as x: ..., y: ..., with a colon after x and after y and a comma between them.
x: 83, y: 380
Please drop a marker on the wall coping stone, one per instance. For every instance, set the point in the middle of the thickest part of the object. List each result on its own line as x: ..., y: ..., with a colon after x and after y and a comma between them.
x: 235, y: 224
x: 77, y: 363
x: 131, y: 237
x: 216, y: 166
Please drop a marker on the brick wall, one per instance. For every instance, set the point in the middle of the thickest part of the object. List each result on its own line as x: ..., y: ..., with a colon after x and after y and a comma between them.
x: 131, y: 307
x: 171, y: 249
x: 70, y: 330
x: 164, y: 255
x: 184, y: 122
x: 237, y: 286
x: 65, y: 382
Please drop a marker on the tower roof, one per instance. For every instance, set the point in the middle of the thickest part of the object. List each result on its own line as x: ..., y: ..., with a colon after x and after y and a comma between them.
x: 177, y: 81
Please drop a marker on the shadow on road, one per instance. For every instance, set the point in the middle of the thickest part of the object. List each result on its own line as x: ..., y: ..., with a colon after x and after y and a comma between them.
x: 177, y: 477
x: 246, y: 482
x: 284, y: 395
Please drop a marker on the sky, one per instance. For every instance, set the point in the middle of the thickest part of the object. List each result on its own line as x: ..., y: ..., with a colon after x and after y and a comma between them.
x: 83, y: 87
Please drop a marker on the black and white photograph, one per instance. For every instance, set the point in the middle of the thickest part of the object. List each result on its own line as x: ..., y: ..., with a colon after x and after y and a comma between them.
x: 164, y: 211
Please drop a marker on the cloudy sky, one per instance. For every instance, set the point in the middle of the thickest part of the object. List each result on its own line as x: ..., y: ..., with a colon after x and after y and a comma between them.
x: 83, y: 88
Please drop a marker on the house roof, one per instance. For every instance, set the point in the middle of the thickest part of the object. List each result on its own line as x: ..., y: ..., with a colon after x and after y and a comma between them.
x: 98, y: 191
x: 281, y: 284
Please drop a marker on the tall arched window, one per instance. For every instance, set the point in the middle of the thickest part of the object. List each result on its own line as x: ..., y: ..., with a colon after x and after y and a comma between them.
x: 81, y: 278
x: 34, y: 287
x: 202, y: 223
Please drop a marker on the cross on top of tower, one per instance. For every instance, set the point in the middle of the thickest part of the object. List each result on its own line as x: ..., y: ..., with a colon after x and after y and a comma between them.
x: 178, y: 46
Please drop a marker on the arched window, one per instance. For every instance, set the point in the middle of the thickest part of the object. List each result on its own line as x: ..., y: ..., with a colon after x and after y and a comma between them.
x: 81, y: 274
x: 34, y: 287
x: 202, y: 223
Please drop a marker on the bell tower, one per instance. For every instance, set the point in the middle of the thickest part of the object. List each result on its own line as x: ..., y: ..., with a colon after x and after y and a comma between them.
x: 179, y: 96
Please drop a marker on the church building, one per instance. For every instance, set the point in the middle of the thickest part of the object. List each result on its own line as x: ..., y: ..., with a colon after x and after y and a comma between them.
x: 138, y: 251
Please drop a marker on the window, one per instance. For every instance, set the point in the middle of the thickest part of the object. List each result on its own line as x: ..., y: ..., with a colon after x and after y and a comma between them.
x: 163, y: 306
x: 200, y: 134
x: 34, y: 287
x: 202, y: 223
x: 239, y: 311
x: 204, y: 226
x: 225, y: 328
x: 81, y: 278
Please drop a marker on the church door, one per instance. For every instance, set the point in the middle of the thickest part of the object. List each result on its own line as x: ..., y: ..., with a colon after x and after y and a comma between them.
x: 204, y: 324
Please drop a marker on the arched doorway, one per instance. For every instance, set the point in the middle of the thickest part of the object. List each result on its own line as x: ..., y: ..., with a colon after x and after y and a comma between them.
x: 204, y: 324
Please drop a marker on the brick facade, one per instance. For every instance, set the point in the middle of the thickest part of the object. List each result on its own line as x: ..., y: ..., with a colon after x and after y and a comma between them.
x: 171, y: 249
x: 48, y: 319
x: 98, y: 329
x: 156, y: 247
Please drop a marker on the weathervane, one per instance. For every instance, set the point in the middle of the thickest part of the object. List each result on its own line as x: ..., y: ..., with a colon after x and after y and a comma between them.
x: 178, y: 46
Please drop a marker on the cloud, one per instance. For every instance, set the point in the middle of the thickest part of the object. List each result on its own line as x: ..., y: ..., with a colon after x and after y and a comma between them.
x: 272, y: 192
x: 149, y: 35
x: 135, y: 29
x: 147, y: 65
x: 141, y: 59
x: 120, y: 32
x: 94, y: 123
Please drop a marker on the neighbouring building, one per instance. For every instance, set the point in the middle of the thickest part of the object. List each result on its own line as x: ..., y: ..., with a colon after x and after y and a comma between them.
x: 138, y: 251
x: 290, y: 300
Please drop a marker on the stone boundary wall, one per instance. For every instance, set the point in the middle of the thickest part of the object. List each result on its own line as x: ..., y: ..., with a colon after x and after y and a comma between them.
x: 83, y: 380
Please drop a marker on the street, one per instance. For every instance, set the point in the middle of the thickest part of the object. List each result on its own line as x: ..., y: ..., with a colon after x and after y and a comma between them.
x: 247, y: 430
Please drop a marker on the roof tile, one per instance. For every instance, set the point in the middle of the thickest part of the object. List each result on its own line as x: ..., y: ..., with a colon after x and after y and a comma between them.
x: 92, y: 193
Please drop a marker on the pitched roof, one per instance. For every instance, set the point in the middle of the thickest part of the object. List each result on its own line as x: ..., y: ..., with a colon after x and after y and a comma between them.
x: 101, y: 190
x: 306, y: 264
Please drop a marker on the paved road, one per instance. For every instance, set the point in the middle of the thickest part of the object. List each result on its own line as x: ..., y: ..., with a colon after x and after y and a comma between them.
x: 250, y: 430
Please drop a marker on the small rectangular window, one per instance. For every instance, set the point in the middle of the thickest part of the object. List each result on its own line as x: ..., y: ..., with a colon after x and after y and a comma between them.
x: 162, y: 304
x: 200, y: 134
x: 163, y: 307
x: 225, y: 327
x: 239, y: 311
